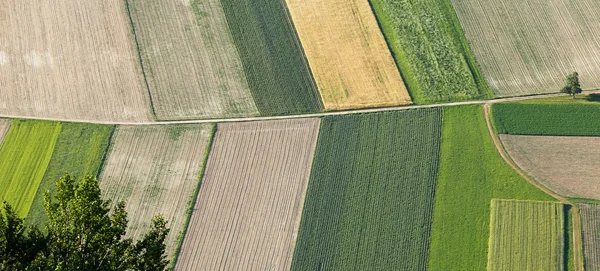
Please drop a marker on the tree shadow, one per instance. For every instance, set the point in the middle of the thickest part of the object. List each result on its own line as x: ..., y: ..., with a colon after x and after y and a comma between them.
x: 594, y: 97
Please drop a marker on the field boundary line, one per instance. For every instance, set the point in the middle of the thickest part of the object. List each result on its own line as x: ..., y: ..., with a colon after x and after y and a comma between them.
x: 577, y: 234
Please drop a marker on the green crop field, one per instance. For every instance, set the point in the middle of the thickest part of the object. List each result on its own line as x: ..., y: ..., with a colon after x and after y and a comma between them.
x: 79, y: 151
x: 526, y: 235
x: 547, y: 118
x: 273, y: 60
x: 431, y: 51
x: 370, y: 196
x: 24, y: 156
x: 471, y: 174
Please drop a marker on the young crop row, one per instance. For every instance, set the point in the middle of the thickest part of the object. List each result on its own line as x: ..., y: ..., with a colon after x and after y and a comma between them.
x: 370, y: 197
x: 431, y: 51
x: 590, y: 216
x: 526, y: 235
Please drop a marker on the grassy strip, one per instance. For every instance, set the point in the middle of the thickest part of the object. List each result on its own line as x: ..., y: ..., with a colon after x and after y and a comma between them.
x: 192, y: 201
x: 525, y: 234
x: 471, y: 174
x: 277, y: 72
x: 568, y: 239
x: 24, y: 156
x: 431, y: 51
x: 79, y: 150
x: 370, y: 197
x: 561, y: 119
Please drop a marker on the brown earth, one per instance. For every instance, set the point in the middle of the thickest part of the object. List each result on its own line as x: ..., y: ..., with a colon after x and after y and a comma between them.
x: 248, y: 210
x: 66, y: 59
x: 347, y: 53
x: 4, y: 125
x: 155, y: 170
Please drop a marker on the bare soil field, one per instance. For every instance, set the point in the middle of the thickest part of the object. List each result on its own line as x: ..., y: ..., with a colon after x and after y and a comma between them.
x: 590, y: 215
x: 4, y: 125
x: 347, y: 53
x: 155, y: 170
x: 70, y: 60
x: 566, y: 165
x: 248, y: 209
x: 192, y: 66
x: 528, y: 47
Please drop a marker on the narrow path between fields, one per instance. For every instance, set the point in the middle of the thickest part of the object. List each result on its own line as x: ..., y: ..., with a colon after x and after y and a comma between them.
x: 577, y: 235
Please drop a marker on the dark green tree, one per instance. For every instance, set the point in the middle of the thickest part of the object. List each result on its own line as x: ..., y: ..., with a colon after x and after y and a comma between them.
x: 572, y: 86
x: 18, y: 244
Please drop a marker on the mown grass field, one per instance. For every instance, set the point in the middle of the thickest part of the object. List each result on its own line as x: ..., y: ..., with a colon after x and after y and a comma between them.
x: 272, y: 56
x: 471, y: 174
x: 79, y: 150
x: 526, y: 235
x: 370, y: 197
x: 430, y: 49
x: 528, y: 47
x: 550, y: 117
x: 24, y: 157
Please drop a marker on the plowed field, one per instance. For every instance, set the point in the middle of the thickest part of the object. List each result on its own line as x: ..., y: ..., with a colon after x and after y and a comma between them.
x: 248, y: 209
x: 590, y: 214
x: 155, y: 170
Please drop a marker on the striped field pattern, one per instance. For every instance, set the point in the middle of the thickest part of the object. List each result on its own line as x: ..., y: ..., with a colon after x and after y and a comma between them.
x: 590, y: 216
x: 4, y: 125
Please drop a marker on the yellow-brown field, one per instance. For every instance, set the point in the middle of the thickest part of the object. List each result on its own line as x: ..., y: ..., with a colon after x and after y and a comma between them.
x: 347, y: 53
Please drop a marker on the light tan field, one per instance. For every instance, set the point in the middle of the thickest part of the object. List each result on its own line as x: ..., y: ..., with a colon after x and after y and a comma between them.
x: 192, y: 65
x: 529, y: 46
x: 248, y: 210
x: 4, y: 125
x: 590, y: 216
x: 155, y: 170
x: 73, y: 60
x: 347, y: 53
x: 569, y: 166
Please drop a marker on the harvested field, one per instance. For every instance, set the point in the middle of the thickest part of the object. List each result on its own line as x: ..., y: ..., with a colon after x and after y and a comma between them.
x: 79, y: 150
x: 24, y: 156
x: 249, y: 205
x: 526, y: 235
x: 471, y: 174
x: 566, y: 165
x: 370, y: 198
x: 528, y: 47
x: 155, y: 170
x: 72, y: 60
x: 191, y: 63
x: 4, y: 125
x: 347, y: 53
x: 590, y: 213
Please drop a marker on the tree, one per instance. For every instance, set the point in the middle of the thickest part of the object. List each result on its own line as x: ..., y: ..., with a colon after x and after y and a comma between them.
x: 83, y: 234
x: 18, y: 244
x: 572, y: 87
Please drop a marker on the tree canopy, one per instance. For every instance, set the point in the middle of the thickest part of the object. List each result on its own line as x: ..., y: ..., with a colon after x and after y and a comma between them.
x: 81, y: 233
x: 572, y: 86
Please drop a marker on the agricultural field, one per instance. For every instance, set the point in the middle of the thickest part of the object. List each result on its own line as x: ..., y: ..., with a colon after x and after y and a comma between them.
x: 528, y: 47
x: 550, y: 117
x: 190, y: 61
x: 347, y: 53
x: 24, y: 156
x: 567, y: 165
x: 526, y: 235
x: 249, y: 204
x: 429, y: 46
x: 155, y: 169
x: 471, y: 174
x: 79, y: 150
x: 370, y: 199
x: 73, y: 60
x: 590, y: 213
x: 4, y: 126
x: 272, y: 56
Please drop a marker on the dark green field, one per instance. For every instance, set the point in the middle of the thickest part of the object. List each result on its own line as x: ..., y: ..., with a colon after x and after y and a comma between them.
x: 561, y: 119
x: 471, y: 174
x: 79, y: 150
x: 273, y: 60
x: 370, y: 197
x: 431, y: 51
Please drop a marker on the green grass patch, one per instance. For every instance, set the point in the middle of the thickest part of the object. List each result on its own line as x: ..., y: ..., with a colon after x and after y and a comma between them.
x: 79, y: 150
x: 370, y: 196
x: 556, y: 116
x: 526, y: 234
x: 277, y: 71
x: 24, y: 156
x: 471, y: 174
x: 431, y: 51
